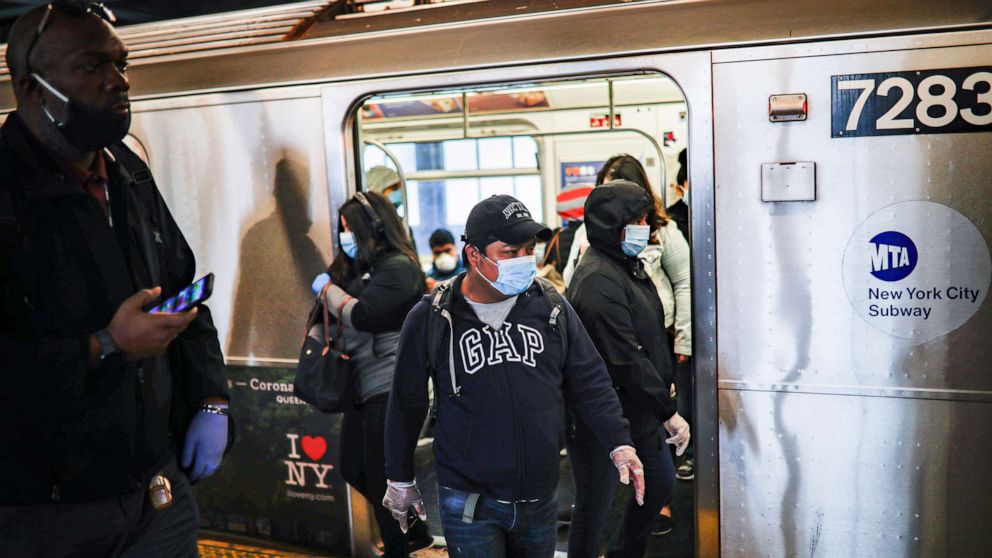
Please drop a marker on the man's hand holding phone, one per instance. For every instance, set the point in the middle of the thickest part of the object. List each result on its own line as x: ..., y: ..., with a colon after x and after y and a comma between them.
x: 139, y: 334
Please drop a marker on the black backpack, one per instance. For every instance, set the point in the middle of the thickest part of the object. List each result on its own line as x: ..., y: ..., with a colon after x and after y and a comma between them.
x: 440, y: 317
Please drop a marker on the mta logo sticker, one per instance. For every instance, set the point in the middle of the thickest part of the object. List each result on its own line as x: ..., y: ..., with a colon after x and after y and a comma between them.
x: 892, y: 256
x: 917, y: 298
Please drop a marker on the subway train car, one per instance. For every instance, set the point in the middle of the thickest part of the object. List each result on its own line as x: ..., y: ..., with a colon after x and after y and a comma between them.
x: 840, y: 203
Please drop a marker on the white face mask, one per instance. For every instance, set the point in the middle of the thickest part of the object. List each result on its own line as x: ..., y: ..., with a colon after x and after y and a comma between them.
x: 445, y: 262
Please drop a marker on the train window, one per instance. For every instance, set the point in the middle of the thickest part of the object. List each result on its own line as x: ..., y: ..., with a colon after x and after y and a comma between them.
x: 444, y: 179
x: 530, y: 140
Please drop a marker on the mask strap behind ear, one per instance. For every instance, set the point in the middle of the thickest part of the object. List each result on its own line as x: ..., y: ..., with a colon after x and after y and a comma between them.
x: 51, y: 88
x: 483, y: 255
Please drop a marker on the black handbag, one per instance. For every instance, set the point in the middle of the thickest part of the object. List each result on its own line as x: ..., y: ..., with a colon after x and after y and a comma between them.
x: 324, y: 373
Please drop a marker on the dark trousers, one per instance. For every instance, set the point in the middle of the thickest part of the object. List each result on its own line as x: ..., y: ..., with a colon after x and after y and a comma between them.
x: 119, y: 527
x: 596, y: 481
x: 363, y: 466
x: 488, y: 528
x: 685, y: 385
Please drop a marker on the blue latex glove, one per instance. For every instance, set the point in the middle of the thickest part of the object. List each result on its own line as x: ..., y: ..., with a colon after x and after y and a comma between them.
x: 206, y: 440
x: 319, y: 282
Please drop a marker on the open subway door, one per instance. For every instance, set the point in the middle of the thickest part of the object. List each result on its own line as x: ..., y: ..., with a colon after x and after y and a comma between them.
x: 522, y: 132
x: 855, y: 399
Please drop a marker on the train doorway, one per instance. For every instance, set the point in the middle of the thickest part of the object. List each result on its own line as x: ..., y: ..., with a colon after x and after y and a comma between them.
x: 436, y: 153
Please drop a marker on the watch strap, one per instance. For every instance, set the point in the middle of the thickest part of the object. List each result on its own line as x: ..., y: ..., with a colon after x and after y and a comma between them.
x: 215, y: 409
x: 107, y: 345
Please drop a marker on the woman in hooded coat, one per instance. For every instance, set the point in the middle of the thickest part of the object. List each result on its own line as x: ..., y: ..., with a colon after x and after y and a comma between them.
x: 619, y: 306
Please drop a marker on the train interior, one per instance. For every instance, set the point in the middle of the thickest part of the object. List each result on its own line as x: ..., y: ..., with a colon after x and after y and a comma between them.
x: 531, y: 140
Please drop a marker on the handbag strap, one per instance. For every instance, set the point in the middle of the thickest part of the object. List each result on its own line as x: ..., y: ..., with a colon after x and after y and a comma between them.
x: 327, y: 318
x: 552, y: 245
x: 338, y: 343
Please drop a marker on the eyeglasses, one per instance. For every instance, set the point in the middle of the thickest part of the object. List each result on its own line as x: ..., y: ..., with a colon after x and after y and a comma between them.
x: 72, y: 8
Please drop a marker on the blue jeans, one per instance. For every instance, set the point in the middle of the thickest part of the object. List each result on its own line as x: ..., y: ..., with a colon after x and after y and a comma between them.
x: 595, y: 484
x: 497, y: 529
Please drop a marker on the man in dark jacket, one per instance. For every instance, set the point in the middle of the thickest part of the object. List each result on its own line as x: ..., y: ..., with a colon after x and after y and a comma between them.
x: 620, y: 308
x: 502, y: 380
x: 97, y: 395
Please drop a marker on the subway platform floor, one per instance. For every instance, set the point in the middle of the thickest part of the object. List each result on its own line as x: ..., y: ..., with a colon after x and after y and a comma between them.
x: 221, y: 545
x: 677, y: 544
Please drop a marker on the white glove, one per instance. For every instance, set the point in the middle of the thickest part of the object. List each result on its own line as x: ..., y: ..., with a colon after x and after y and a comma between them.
x: 629, y: 466
x: 678, y: 428
x: 398, y: 499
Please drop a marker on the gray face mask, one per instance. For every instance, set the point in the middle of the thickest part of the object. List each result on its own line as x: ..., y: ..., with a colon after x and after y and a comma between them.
x: 86, y: 128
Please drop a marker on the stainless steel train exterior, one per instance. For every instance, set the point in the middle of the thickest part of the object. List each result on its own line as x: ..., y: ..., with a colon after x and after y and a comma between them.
x: 821, y: 431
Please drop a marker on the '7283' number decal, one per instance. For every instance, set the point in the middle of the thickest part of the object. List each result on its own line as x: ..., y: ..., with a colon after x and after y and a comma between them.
x: 920, y: 102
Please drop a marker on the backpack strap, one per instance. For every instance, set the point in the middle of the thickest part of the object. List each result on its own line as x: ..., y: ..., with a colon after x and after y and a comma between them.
x: 440, y: 316
x: 136, y: 168
x: 556, y: 318
x: 437, y: 319
x: 137, y: 172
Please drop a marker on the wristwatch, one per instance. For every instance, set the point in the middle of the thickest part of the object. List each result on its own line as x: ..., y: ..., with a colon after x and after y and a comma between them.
x: 107, y: 346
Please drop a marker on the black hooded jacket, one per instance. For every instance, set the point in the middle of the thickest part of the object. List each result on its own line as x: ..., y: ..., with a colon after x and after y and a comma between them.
x: 70, y: 434
x: 620, y: 308
x: 501, y: 433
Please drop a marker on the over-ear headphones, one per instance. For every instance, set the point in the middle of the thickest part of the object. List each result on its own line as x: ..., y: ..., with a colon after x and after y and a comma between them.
x: 378, y: 230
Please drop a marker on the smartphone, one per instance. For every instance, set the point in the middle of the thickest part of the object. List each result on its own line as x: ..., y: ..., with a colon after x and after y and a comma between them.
x: 188, y: 297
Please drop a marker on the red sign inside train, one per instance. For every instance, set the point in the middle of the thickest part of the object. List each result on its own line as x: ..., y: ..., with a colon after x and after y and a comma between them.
x: 603, y: 120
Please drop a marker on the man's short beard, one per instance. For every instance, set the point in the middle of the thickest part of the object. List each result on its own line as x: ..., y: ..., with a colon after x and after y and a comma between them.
x: 53, y: 138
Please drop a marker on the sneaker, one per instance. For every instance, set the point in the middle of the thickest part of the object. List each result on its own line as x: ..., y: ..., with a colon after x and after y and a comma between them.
x: 664, y: 525
x: 687, y: 470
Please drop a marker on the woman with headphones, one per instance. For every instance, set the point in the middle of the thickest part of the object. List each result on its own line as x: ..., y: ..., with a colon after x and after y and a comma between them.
x: 374, y: 280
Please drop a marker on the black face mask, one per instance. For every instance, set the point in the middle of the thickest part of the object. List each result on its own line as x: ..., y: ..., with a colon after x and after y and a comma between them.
x: 87, y: 128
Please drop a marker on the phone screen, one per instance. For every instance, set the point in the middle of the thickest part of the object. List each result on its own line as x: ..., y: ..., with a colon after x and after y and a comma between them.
x: 187, y: 298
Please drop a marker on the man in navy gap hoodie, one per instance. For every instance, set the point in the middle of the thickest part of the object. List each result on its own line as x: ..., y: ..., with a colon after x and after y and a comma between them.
x: 501, y: 414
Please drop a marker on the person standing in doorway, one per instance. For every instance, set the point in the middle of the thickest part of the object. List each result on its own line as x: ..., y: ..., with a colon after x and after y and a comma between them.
x: 507, y: 355
x: 619, y: 305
